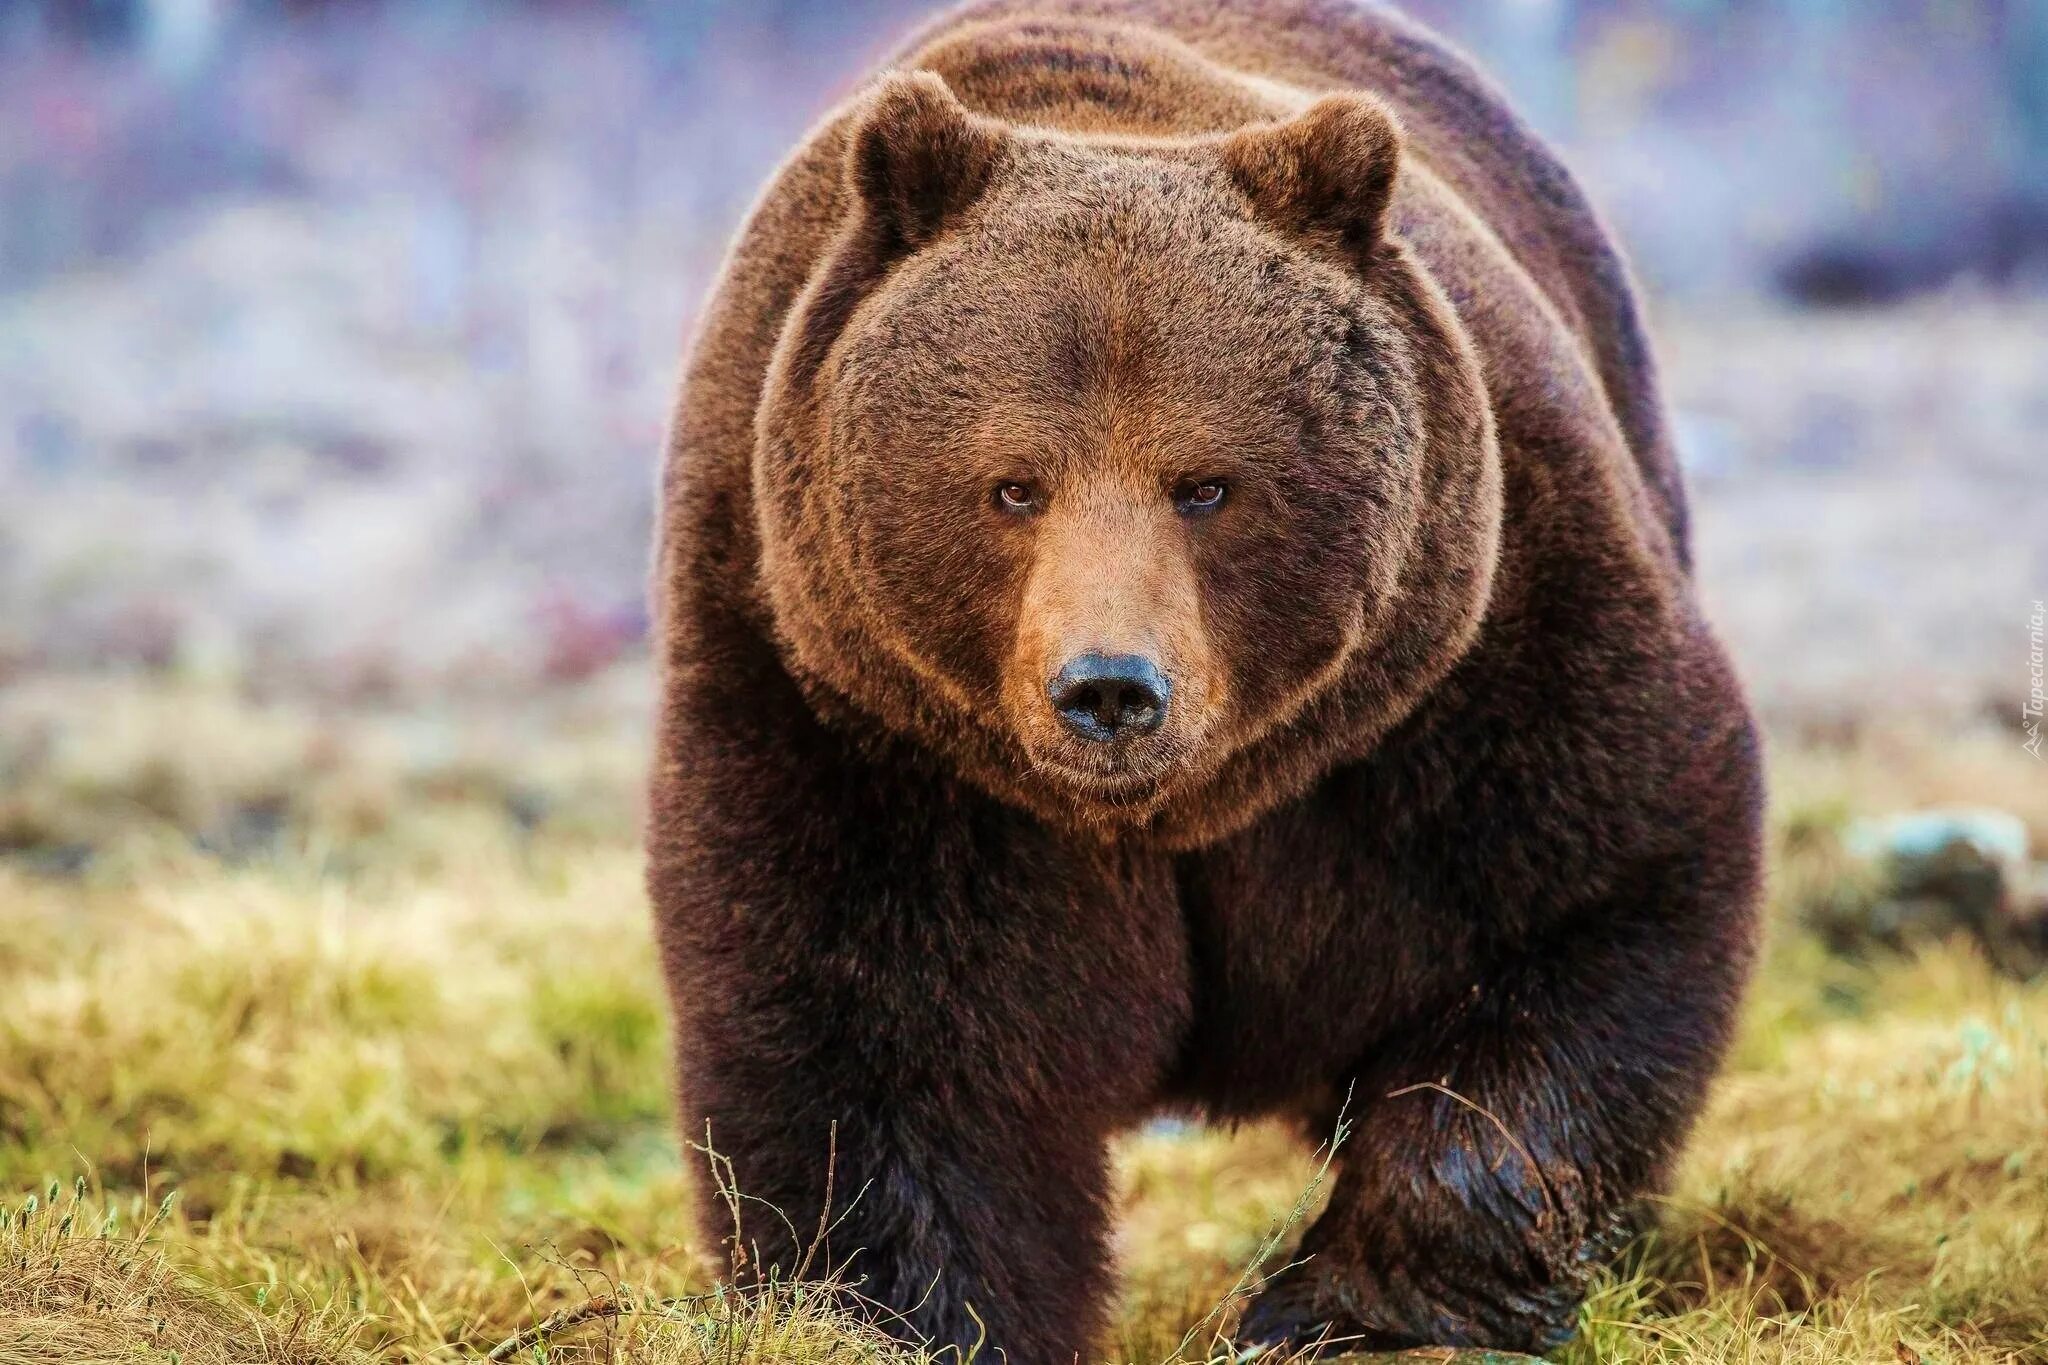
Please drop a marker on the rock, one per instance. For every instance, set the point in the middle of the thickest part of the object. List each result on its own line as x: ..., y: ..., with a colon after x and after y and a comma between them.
x: 1433, y: 1355
x: 1943, y: 872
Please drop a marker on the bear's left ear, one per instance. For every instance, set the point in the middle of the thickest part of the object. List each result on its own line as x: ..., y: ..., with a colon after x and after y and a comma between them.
x: 919, y: 158
x: 1329, y: 171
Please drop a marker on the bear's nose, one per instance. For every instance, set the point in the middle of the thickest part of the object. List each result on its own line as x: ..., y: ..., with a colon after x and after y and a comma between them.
x: 1107, y: 696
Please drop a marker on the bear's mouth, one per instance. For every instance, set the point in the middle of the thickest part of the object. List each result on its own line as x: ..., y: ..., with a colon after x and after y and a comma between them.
x: 1108, y: 786
x: 1119, y: 777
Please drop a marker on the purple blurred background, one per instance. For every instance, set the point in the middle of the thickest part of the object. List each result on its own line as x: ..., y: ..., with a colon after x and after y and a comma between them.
x: 336, y: 339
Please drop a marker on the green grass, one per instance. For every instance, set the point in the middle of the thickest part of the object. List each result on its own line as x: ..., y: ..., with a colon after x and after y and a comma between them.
x: 339, y: 1039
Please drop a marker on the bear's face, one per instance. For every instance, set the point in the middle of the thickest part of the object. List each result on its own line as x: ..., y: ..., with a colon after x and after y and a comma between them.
x: 1092, y: 466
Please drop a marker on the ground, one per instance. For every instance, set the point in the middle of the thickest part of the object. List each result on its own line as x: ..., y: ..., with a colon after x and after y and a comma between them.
x: 334, y: 1035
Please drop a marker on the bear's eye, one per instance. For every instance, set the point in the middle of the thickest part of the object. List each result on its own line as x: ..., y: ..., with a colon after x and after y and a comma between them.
x: 1199, y: 495
x: 1016, y: 497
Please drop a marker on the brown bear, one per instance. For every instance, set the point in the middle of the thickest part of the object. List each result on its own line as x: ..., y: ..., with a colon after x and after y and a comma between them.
x: 1173, y: 595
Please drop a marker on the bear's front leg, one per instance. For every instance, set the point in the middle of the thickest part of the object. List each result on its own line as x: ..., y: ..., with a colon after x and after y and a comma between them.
x: 866, y: 960
x: 955, y: 1218
x: 1500, y: 1146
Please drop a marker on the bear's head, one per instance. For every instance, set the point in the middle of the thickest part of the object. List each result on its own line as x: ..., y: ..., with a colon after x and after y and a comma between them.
x: 1139, y: 480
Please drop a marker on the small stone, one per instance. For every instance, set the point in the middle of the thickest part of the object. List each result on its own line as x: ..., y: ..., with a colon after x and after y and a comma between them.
x: 1434, y: 1355
x: 1942, y: 872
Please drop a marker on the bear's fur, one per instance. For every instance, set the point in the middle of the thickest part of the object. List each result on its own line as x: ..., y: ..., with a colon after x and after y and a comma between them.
x: 1454, y: 806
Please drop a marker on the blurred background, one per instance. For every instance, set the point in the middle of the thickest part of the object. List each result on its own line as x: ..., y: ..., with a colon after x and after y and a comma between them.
x: 336, y: 339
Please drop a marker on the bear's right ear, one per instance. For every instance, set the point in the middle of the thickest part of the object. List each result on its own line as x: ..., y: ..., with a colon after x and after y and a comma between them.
x: 919, y: 158
x: 1328, y: 172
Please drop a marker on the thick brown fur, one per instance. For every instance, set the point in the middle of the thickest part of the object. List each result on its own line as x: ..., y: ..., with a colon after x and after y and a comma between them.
x: 1454, y: 808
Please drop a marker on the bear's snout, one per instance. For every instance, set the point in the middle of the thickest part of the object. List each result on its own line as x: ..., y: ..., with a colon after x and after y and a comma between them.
x: 1106, y: 697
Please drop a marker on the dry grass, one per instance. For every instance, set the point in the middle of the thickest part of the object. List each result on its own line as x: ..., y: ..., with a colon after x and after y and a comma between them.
x: 76, y: 1287
x: 399, y: 1057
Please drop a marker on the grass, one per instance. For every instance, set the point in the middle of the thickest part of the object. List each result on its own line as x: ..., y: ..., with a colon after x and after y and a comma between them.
x: 336, y: 1038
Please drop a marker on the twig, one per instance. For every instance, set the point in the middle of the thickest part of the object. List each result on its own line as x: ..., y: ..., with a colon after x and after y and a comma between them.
x: 825, y: 1212
x: 1542, y: 1182
x: 603, y: 1306
x: 1250, y: 1280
